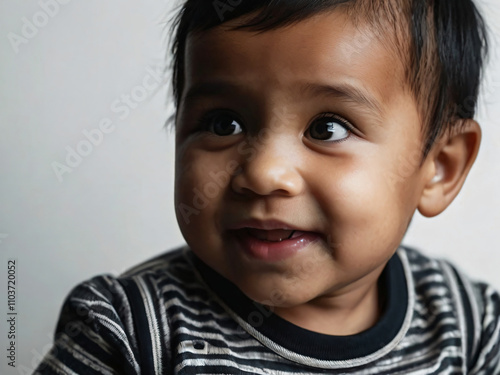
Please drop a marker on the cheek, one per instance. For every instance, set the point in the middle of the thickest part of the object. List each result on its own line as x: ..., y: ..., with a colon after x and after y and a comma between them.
x: 356, y: 191
x: 365, y: 207
x: 196, y: 175
x: 200, y: 185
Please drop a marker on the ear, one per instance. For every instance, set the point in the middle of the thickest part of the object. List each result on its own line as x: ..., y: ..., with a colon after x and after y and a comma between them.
x: 449, y: 163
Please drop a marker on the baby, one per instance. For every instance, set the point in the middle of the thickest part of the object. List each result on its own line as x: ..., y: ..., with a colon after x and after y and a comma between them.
x: 307, y: 135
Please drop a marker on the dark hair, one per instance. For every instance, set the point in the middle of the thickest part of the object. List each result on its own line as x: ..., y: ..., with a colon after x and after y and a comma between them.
x: 442, y: 45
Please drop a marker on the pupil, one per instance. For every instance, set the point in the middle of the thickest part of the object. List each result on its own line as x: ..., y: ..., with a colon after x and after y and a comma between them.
x: 322, y: 131
x: 224, y: 125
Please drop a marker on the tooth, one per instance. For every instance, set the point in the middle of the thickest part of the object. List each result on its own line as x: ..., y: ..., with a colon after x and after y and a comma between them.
x: 275, y: 235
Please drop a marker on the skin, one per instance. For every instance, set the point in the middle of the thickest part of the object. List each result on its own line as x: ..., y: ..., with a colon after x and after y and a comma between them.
x: 358, y: 194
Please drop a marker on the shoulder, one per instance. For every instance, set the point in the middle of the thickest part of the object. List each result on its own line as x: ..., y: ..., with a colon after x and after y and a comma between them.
x: 430, y: 272
x: 170, y: 278
x: 166, y: 262
x: 103, y: 292
x: 99, y: 327
x: 441, y: 288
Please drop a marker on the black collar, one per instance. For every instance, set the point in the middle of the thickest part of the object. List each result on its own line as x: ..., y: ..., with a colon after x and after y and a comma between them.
x: 316, y: 345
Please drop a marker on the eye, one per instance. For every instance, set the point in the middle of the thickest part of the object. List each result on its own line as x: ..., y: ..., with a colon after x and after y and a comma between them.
x: 330, y: 128
x: 221, y: 124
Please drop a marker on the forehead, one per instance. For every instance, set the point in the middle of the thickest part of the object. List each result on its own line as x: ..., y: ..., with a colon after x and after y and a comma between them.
x: 325, y: 49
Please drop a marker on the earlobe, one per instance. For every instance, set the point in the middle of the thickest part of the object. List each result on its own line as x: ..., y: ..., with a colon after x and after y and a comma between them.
x: 449, y: 163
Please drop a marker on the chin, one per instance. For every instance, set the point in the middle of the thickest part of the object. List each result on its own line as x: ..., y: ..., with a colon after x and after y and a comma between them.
x: 275, y: 296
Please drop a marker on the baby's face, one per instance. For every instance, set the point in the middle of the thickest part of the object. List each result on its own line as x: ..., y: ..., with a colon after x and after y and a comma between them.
x: 298, y: 157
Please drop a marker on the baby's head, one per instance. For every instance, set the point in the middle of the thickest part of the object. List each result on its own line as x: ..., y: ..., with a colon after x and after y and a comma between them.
x: 309, y: 132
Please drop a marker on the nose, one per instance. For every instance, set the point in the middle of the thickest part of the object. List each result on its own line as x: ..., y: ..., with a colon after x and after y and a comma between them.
x: 272, y: 170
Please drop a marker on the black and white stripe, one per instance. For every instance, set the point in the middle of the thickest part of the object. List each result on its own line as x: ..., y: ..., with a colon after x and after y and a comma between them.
x: 172, y: 315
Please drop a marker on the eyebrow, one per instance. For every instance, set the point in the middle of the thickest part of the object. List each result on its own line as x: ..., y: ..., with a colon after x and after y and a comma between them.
x: 343, y: 91
x: 347, y: 92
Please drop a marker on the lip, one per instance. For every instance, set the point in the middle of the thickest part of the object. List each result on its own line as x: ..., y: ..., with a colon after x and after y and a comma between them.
x: 270, y: 251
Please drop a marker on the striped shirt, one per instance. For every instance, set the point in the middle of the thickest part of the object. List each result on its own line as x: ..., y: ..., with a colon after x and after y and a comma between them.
x: 174, y: 315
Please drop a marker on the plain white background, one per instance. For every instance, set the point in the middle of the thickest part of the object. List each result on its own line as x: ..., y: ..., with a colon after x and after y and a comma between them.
x: 114, y: 209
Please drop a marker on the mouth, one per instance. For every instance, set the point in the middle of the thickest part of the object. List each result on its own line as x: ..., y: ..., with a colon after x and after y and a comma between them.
x: 275, y: 235
x: 274, y: 244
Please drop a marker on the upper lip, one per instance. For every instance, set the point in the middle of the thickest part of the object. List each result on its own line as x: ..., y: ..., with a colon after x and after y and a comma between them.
x: 263, y: 224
